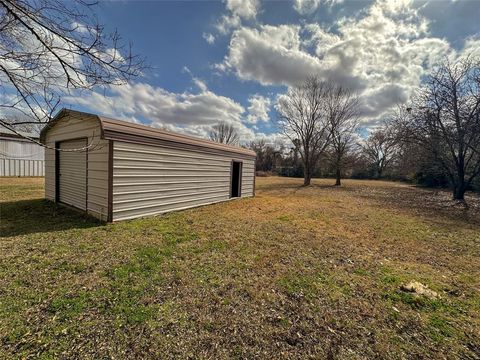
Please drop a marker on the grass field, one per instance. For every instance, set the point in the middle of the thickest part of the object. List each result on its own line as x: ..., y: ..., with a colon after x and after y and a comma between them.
x: 295, y: 272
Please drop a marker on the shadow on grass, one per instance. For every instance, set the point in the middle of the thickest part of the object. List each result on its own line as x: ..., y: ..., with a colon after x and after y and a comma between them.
x: 295, y: 187
x: 39, y: 215
x: 437, y: 205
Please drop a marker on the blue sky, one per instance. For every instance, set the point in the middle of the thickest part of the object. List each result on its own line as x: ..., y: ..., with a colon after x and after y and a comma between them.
x: 229, y: 61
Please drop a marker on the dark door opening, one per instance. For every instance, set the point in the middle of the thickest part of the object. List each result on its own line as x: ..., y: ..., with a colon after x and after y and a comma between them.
x: 236, y: 185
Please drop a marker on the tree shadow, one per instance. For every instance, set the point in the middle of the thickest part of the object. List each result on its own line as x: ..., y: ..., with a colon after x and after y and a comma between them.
x: 435, y: 204
x: 326, y: 186
x: 36, y: 216
x: 296, y: 187
x: 268, y: 187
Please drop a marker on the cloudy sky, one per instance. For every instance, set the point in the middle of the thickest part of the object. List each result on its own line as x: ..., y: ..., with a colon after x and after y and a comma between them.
x: 230, y: 60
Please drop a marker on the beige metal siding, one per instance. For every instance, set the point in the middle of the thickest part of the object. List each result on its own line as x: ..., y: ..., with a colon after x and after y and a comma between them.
x: 248, y: 176
x: 72, y: 127
x: 73, y: 173
x: 149, y: 180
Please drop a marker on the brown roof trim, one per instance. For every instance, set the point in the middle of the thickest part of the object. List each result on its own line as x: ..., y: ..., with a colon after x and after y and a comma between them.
x: 113, y: 129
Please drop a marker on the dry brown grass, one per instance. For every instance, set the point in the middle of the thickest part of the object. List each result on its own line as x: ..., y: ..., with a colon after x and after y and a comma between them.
x: 295, y: 272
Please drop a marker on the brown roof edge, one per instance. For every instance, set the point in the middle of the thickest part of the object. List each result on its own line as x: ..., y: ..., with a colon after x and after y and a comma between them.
x: 113, y: 129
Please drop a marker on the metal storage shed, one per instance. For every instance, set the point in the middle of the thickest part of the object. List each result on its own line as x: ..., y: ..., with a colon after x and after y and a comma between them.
x: 126, y: 170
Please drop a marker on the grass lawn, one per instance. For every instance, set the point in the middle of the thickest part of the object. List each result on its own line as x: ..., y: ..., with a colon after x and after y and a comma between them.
x: 295, y: 272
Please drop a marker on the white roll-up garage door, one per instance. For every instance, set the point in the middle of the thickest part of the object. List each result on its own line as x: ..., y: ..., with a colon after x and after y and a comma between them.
x: 73, y: 173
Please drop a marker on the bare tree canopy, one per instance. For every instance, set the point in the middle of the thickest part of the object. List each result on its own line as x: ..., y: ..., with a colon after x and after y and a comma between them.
x: 302, y: 116
x: 225, y: 133
x: 49, y: 48
x: 267, y: 154
x: 343, y: 119
x: 445, y: 120
x: 380, y: 148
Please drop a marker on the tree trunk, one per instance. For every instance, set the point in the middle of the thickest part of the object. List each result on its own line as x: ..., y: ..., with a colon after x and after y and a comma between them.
x: 459, y: 185
x: 379, y: 173
x: 459, y: 191
x: 338, y: 180
x: 307, y: 175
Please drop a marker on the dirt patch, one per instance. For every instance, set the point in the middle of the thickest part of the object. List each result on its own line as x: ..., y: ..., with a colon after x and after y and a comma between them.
x: 419, y: 289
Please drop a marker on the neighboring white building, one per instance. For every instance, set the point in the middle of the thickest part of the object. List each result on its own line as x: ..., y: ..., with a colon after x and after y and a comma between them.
x: 19, y: 156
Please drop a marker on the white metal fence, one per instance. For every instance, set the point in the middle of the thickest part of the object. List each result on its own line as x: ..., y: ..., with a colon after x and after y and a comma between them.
x: 20, y: 157
x: 22, y: 167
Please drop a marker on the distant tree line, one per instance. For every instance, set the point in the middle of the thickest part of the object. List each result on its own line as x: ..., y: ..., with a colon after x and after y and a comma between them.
x: 434, y: 140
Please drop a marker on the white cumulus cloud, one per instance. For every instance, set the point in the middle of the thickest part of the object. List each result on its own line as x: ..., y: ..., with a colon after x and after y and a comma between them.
x: 258, y: 108
x: 246, y: 9
x: 269, y: 55
x: 309, y: 7
x: 306, y: 7
x: 238, y: 10
x: 381, y: 53
x: 190, y: 113
x: 209, y: 38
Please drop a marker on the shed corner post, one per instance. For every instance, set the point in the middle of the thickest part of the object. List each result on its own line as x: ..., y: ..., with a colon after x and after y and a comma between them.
x: 57, y: 172
x: 110, y: 182
x: 254, y: 174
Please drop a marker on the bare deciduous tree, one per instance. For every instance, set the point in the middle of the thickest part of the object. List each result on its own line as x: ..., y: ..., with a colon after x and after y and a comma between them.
x: 49, y: 48
x: 380, y: 148
x: 445, y: 120
x: 303, y: 119
x: 224, y: 133
x: 343, y: 116
x: 268, y: 154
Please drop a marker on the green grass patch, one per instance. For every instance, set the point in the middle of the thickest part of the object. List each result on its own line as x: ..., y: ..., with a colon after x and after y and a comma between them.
x: 311, y: 285
x: 390, y: 278
x: 439, y: 328
x: 68, y: 306
x: 133, y: 281
x: 145, y: 263
x: 416, y: 302
x: 360, y: 272
x: 285, y: 218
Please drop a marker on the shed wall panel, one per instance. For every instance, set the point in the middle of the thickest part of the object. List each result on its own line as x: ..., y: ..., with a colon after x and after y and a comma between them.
x: 149, y: 180
x: 73, y: 174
